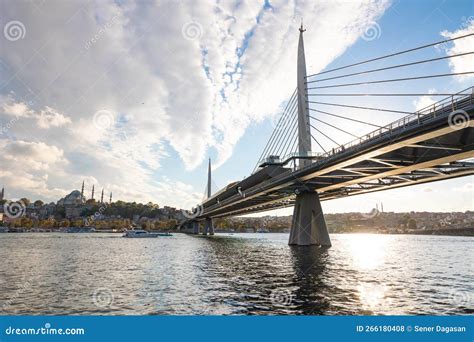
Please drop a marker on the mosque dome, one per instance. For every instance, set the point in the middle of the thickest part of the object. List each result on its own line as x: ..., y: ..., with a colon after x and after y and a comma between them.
x: 74, y: 198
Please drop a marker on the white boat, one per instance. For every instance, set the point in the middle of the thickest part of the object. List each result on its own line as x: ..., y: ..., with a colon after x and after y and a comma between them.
x: 142, y: 234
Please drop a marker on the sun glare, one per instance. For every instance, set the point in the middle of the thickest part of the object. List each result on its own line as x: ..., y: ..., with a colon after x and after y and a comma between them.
x: 368, y: 251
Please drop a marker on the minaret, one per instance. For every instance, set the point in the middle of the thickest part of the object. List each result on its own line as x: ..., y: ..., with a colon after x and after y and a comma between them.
x: 92, y: 197
x: 102, y: 196
x: 110, y: 198
x: 304, y: 129
x: 82, y: 191
x: 2, y: 194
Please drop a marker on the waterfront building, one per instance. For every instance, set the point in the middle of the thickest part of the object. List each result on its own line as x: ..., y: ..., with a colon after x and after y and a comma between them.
x: 47, y: 210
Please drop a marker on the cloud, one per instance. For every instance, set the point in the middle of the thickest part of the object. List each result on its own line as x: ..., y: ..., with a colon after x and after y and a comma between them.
x: 30, y: 155
x: 50, y: 118
x: 178, y: 77
x: 10, y: 107
x: 425, y: 101
x: 463, y: 63
x: 28, y: 165
x: 45, y: 118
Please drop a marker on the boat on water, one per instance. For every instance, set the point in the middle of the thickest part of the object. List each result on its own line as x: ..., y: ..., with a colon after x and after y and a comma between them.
x: 143, y: 234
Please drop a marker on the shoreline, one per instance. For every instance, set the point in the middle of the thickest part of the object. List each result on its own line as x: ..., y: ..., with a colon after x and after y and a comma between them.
x: 465, y: 232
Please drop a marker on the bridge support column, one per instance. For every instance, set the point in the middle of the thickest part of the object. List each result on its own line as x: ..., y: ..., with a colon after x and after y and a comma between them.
x: 208, y: 226
x: 195, y: 226
x: 308, y: 226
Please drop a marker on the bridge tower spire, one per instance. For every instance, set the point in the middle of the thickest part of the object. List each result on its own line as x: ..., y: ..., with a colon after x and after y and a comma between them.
x: 308, y: 226
x: 209, y: 179
x: 208, y: 224
x: 304, y: 128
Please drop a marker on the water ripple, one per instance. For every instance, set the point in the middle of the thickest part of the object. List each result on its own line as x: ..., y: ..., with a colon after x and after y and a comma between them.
x: 103, y: 274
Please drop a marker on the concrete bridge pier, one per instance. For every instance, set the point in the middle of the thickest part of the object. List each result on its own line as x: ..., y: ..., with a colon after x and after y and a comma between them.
x: 208, y: 226
x: 195, y: 225
x: 308, y: 226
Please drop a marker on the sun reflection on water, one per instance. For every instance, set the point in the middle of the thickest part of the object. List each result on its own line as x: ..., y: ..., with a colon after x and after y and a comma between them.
x: 369, y: 254
x: 368, y: 251
x: 374, y: 296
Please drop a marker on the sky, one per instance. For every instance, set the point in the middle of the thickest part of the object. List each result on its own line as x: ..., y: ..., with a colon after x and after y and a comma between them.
x: 134, y: 97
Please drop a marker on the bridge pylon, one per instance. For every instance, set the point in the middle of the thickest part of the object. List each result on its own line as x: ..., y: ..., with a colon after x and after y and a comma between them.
x: 195, y: 227
x: 308, y: 226
x: 208, y: 224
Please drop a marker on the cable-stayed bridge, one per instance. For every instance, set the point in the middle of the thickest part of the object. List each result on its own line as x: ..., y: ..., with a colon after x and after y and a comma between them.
x: 431, y: 144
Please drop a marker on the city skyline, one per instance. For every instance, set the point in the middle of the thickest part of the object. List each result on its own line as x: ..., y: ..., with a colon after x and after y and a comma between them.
x: 106, y: 105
